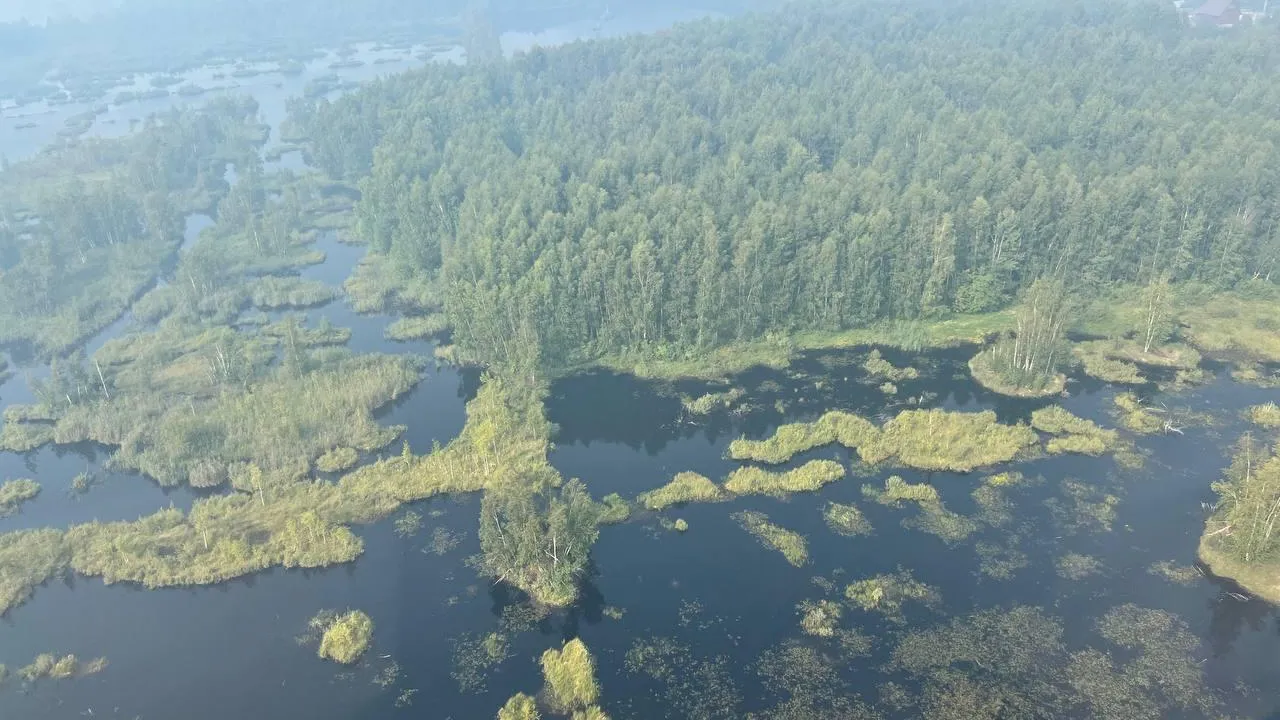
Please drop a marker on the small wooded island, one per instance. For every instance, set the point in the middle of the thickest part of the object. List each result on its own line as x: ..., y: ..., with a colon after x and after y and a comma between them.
x: 889, y: 323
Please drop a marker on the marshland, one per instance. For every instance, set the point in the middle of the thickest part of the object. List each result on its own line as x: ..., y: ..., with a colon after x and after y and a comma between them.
x: 841, y: 359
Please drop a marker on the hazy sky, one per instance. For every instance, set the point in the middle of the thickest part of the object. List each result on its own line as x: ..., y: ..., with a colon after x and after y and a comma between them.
x: 40, y: 10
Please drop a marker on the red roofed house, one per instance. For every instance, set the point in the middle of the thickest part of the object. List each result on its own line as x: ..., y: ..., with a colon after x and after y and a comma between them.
x: 1223, y: 13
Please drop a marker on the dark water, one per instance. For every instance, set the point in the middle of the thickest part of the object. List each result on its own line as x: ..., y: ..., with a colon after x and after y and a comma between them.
x: 230, y: 650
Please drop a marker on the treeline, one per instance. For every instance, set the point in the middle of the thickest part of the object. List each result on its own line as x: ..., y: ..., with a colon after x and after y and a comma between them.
x: 815, y: 170
x: 85, y: 229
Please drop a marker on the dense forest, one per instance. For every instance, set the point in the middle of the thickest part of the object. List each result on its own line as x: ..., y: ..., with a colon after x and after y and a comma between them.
x: 816, y: 170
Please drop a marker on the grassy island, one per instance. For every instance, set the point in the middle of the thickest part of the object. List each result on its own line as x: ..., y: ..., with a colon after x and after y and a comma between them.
x: 346, y: 637
x: 1241, y: 540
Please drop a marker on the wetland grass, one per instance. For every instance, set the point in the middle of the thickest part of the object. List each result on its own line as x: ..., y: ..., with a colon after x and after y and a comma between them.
x: 711, y: 402
x: 886, y: 594
x: 819, y: 618
x: 1074, y: 566
x: 686, y: 487
x: 941, y: 440
x: 1241, y: 540
x: 1137, y: 417
x: 338, y: 459
x: 922, y: 439
x: 277, y: 293
x: 14, y: 493
x: 792, y: 545
x: 1266, y: 415
x: 1072, y: 434
x: 519, y: 707
x: 897, y: 491
x: 879, y: 368
x: 846, y: 519
x: 346, y: 637
x: 569, y: 676
x: 985, y: 371
x: 418, y: 327
x: 807, y: 478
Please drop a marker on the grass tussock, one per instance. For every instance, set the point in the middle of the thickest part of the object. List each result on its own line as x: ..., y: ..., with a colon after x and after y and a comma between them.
x: 569, y: 675
x: 1074, y: 566
x: 792, y: 545
x: 886, y: 594
x: 897, y: 491
x: 418, y: 327
x: 881, y: 369
x: 790, y: 440
x: 338, y: 459
x: 16, y: 492
x: 941, y: 440
x: 708, y: 403
x: 1137, y: 417
x: 820, y: 618
x: 1072, y: 434
x: 277, y: 293
x: 846, y: 519
x: 686, y: 487
x: 807, y: 478
x: 519, y: 707
x: 346, y: 637
x: 1266, y: 415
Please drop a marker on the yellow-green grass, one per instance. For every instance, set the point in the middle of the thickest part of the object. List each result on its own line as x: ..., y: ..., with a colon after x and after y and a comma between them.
x: 897, y: 491
x: 1072, y: 434
x: 347, y: 638
x: 790, y: 440
x: 275, y: 520
x: 941, y: 440
x: 418, y: 327
x: 1233, y: 326
x: 888, y: 593
x: 519, y: 707
x: 1266, y: 415
x: 807, y: 478
x: 338, y: 460
x: 14, y: 493
x: 569, y: 677
x: 686, y: 487
x: 1137, y: 417
x: 986, y: 375
x: 791, y: 544
x: 846, y: 519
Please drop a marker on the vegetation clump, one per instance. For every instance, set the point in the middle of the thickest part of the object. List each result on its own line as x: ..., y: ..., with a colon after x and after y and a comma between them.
x: 417, y: 327
x: 1072, y: 434
x: 346, y: 637
x: 1074, y: 566
x: 807, y: 478
x: 1083, y: 508
x: 1184, y: 575
x: 14, y: 493
x: 48, y: 665
x: 686, y: 487
x: 897, y: 491
x: 338, y: 460
x: 519, y: 707
x: 792, y: 545
x: 886, y: 594
x: 1015, y: 659
x: 820, y: 618
x: 1266, y: 415
x: 1000, y: 562
x: 940, y: 440
x: 1137, y: 417
x: 570, y: 677
x: 708, y: 403
x: 790, y: 440
x: 879, y: 368
x: 846, y: 519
